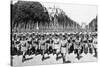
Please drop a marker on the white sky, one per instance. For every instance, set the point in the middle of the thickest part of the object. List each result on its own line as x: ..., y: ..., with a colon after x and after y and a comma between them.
x: 77, y: 12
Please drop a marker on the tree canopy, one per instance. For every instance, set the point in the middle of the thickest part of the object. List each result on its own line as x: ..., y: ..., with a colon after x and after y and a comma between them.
x: 23, y: 12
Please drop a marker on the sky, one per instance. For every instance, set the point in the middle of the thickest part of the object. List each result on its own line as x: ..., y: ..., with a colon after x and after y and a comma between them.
x: 78, y: 12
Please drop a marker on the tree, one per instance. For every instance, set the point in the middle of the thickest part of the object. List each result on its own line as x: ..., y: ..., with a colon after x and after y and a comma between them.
x: 28, y: 13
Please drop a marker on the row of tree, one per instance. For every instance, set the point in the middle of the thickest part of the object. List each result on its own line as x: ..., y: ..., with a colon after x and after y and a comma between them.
x: 30, y: 15
x: 93, y: 25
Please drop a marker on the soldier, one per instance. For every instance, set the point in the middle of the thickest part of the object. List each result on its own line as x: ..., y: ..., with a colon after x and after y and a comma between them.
x: 77, y: 47
x: 49, y: 46
x: 29, y: 41
x: 90, y: 40
x: 42, y: 47
x: 85, y: 45
x: 95, y: 45
x: 57, y: 46
x: 24, y: 47
x: 64, y: 50
x: 36, y: 45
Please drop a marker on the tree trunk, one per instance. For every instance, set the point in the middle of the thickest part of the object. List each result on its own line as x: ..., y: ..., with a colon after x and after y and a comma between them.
x: 37, y: 26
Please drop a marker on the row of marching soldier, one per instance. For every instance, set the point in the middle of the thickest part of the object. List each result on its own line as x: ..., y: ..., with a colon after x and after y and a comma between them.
x: 59, y: 44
